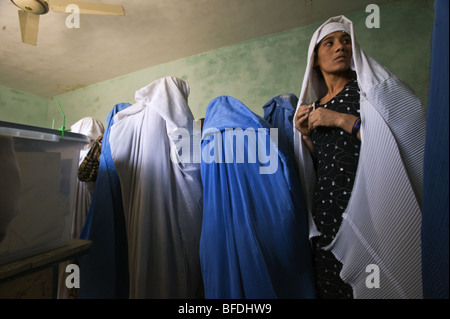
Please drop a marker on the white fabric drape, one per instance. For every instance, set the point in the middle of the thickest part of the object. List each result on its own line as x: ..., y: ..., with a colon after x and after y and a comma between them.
x: 162, y: 198
x: 92, y: 128
x: 381, y: 225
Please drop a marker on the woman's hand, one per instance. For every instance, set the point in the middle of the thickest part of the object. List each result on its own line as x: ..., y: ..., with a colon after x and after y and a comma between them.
x: 323, y: 117
x: 302, y: 119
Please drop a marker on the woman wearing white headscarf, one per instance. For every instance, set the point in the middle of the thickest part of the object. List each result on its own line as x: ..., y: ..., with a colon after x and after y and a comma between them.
x: 359, y: 140
x: 161, y: 190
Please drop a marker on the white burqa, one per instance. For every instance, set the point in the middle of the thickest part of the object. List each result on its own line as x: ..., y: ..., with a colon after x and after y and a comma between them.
x: 162, y: 198
x: 381, y: 225
x: 92, y: 128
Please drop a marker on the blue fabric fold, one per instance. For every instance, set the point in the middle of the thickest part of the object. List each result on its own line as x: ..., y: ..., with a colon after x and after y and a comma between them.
x: 435, y: 225
x: 254, y: 241
x: 279, y: 112
x: 104, y: 270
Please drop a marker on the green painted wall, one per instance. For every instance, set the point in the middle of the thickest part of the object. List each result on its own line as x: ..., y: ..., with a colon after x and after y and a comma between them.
x: 23, y: 107
x: 259, y: 69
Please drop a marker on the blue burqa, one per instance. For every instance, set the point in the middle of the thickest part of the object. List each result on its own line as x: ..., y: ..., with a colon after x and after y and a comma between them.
x: 279, y: 112
x: 104, y: 270
x: 435, y: 224
x: 254, y: 241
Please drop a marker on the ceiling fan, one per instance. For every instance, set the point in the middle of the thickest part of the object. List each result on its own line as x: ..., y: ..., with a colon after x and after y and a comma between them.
x: 32, y: 9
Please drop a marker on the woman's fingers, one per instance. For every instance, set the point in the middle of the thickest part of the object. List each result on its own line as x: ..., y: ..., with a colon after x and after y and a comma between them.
x: 301, y: 119
x: 302, y: 111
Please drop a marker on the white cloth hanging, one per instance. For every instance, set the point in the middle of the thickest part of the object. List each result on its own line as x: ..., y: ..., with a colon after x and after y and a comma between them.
x: 381, y: 225
x: 92, y: 128
x: 162, y: 198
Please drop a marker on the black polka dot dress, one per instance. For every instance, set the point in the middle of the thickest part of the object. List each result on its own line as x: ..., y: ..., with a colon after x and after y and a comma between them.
x: 336, y: 154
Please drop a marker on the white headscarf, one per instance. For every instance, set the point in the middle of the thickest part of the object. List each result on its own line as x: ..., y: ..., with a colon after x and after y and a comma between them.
x: 381, y: 225
x: 162, y: 197
x: 92, y: 128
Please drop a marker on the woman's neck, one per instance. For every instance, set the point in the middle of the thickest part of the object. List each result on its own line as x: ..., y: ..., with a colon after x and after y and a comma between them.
x: 335, y: 84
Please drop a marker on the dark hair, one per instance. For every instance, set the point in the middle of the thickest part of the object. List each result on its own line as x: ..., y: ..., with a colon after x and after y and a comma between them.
x: 317, y: 68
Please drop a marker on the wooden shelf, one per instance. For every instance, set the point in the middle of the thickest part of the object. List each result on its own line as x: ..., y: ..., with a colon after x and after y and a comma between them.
x: 37, y: 276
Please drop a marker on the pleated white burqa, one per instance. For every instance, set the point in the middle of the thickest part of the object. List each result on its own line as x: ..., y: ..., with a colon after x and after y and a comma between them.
x: 92, y: 128
x: 378, y: 242
x: 151, y: 145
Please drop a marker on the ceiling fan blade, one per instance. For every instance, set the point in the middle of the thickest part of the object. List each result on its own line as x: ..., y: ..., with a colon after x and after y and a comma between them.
x: 29, y: 24
x: 87, y: 7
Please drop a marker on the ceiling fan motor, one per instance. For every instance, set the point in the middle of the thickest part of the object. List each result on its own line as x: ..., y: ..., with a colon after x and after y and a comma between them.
x: 32, y: 6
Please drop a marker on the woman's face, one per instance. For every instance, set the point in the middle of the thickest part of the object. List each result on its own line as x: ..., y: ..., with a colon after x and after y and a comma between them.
x: 334, y: 53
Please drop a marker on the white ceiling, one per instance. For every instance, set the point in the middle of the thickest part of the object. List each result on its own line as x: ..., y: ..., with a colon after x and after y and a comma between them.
x: 151, y: 32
